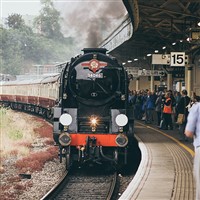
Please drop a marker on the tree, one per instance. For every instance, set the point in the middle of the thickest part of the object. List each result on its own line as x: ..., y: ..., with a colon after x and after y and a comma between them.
x: 48, y: 21
x: 21, y: 48
x: 15, y: 21
x: 11, y: 54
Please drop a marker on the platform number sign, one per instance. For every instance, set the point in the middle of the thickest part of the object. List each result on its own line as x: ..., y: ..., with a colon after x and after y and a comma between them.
x: 177, y: 59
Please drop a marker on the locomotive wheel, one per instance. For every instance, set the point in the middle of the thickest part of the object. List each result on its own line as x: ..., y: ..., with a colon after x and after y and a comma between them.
x: 44, y: 113
x: 11, y: 106
x: 49, y: 114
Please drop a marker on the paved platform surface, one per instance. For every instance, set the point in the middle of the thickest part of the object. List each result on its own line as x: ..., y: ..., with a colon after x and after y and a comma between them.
x: 166, y: 168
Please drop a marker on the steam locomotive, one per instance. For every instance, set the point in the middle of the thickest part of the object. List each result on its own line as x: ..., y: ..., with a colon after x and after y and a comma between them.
x: 92, y: 121
x: 88, y: 101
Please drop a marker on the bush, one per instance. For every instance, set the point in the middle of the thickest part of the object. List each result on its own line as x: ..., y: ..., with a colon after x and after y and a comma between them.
x: 36, y: 161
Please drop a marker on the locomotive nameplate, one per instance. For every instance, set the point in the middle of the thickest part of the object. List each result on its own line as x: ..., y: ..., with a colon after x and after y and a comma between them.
x: 91, y: 75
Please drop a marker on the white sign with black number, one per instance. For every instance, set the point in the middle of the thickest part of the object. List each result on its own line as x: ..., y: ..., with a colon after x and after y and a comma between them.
x: 177, y: 59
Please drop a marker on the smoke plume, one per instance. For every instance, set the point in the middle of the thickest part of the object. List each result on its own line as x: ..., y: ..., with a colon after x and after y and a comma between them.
x: 90, y: 21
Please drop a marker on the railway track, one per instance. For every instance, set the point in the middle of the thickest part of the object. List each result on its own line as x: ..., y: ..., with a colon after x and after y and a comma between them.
x: 84, y: 184
x: 87, y: 186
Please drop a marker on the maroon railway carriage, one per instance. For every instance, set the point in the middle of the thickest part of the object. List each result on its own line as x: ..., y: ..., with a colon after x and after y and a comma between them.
x: 37, y: 96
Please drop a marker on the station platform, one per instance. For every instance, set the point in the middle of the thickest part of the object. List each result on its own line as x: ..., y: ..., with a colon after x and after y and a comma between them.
x: 166, y: 168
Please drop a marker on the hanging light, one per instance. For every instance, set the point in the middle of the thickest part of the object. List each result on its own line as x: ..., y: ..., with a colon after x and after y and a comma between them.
x: 188, y: 39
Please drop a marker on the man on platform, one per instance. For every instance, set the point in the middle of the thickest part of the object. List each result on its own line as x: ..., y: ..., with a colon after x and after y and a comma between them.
x: 193, y: 130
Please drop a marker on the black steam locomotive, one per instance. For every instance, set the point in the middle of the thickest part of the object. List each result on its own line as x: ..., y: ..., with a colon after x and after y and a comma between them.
x: 92, y: 120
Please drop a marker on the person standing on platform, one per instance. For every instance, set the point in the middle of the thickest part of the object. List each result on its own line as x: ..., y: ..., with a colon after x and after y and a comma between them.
x: 150, y: 107
x: 167, y: 112
x: 182, y: 109
x: 177, y: 99
x: 193, y: 130
x: 173, y: 105
x: 159, y: 107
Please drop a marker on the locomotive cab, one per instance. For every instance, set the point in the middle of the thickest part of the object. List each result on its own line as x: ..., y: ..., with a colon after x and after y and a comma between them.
x: 93, y: 122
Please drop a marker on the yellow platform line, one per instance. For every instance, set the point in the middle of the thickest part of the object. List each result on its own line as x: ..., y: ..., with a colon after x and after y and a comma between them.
x: 172, y: 138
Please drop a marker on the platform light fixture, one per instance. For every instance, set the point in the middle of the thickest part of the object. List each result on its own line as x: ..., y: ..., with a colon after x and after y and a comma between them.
x: 123, y: 63
x: 198, y: 23
x: 164, y: 47
x: 129, y: 61
x: 156, y: 51
x: 135, y: 59
x: 188, y: 39
x: 174, y: 43
x: 181, y: 41
x: 149, y: 54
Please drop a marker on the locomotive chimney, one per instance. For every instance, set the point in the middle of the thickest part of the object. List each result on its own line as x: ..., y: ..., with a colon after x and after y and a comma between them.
x: 94, y: 50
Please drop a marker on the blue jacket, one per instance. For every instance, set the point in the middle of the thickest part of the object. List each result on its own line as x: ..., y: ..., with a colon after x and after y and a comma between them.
x: 150, y: 103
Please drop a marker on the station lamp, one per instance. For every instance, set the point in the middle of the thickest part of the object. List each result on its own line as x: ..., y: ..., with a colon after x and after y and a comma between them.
x: 188, y: 39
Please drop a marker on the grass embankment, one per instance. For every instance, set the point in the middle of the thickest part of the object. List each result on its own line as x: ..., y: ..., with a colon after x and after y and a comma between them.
x: 27, y: 142
x: 19, y: 134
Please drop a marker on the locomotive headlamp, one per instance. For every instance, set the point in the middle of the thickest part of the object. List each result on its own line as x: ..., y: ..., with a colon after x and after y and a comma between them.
x: 93, y: 121
x: 65, y: 119
x: 121, y: 120
x: 121, y: 140
x: 64, y: 139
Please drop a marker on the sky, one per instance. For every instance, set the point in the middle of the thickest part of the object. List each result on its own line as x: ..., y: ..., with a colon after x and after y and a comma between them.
x: 22, y: 7
x: 32, y: 7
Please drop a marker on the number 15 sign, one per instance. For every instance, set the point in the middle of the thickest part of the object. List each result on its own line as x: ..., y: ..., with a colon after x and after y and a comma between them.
x: 177, y: 59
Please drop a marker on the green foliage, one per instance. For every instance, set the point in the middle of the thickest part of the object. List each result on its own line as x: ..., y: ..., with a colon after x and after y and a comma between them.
x: 5, y: 121
x: 21, y: 47
x: 48, y: 21
x: 15, y: 134
x: 2, y: 116
x: 2, y: 111
x: 12, y: 51
x: 15, y: 21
